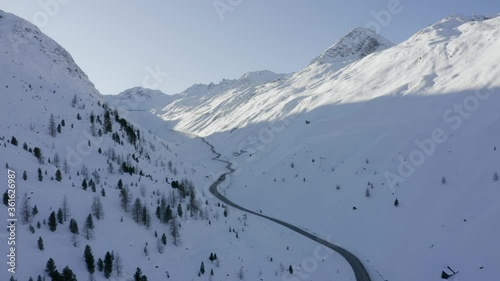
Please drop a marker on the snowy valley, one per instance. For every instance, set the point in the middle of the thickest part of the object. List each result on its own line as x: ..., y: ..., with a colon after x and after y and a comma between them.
x: 140, y: 198
x: 386, y: 150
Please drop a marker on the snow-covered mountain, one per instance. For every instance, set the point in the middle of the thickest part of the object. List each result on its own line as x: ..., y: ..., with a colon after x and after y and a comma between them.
x: 391, y: 150
x: 356, y: 44
x: 77, y: 156
x: 140, y: 99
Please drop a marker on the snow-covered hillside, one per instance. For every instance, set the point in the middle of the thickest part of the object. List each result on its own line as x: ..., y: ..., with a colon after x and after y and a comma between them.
x: 392, y: 152
x: 78, y: 158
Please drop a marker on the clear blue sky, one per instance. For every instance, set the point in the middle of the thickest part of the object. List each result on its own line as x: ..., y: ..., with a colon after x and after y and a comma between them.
x: 116, y: 41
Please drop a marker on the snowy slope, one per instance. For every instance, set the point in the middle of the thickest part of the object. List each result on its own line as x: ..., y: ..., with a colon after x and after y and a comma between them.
x: 38, y: 78
x: 383, y: 126
x: 203, y: 103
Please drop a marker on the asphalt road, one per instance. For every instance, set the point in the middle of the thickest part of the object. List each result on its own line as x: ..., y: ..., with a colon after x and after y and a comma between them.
x: 359, y: 270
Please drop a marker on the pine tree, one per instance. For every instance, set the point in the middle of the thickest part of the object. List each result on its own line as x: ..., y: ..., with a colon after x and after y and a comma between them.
x: 60, y: 217
x: 26, y: 210
x: 108, y: 265
x: 88, y: 228
x: 52, y: 221
x: 138, y: 275
x: 179, y: 210
x: 73, y: 227
x: 40, y: 243
x: 100, y: 265
x: 34, y: 211
x: 92, y: 185
x: 68, y: 275
x: 396, y: 203
x: 38, y: 153
x: 58, y: 175
x: 6, y: 198
x: 50, y: 267
x: 168, y: 215
x: 164, y: 239
x: 107, y: 126
x: 89, y: 259
x: 40, y: 176
x: 13, y: 141
x: 52, y: 126
x: 84, y: 184
x: 202, y: 268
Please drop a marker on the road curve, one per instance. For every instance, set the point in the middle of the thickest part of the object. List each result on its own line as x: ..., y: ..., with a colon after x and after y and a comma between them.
x: 359, y: 270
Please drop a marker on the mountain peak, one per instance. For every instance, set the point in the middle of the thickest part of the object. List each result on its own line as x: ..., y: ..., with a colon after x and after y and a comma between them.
x: 260, y: 76
x: 356, y: 44
x: 140, y: 92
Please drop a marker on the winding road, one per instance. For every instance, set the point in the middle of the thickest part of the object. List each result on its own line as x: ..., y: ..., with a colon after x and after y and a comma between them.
x: 359, y: 270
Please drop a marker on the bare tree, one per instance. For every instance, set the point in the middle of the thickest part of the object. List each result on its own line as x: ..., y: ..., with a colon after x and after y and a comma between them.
x: 52, y: 126
x: 174, y: 230
x: 65, y: 208
x: 125, y: 198
x: 74, y: 101
x: 241, y: 274
x: 118, y: 265
x: 97, y: 209
x: 159, y: 246
x: 66, y: 166
x: 56, y: 161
